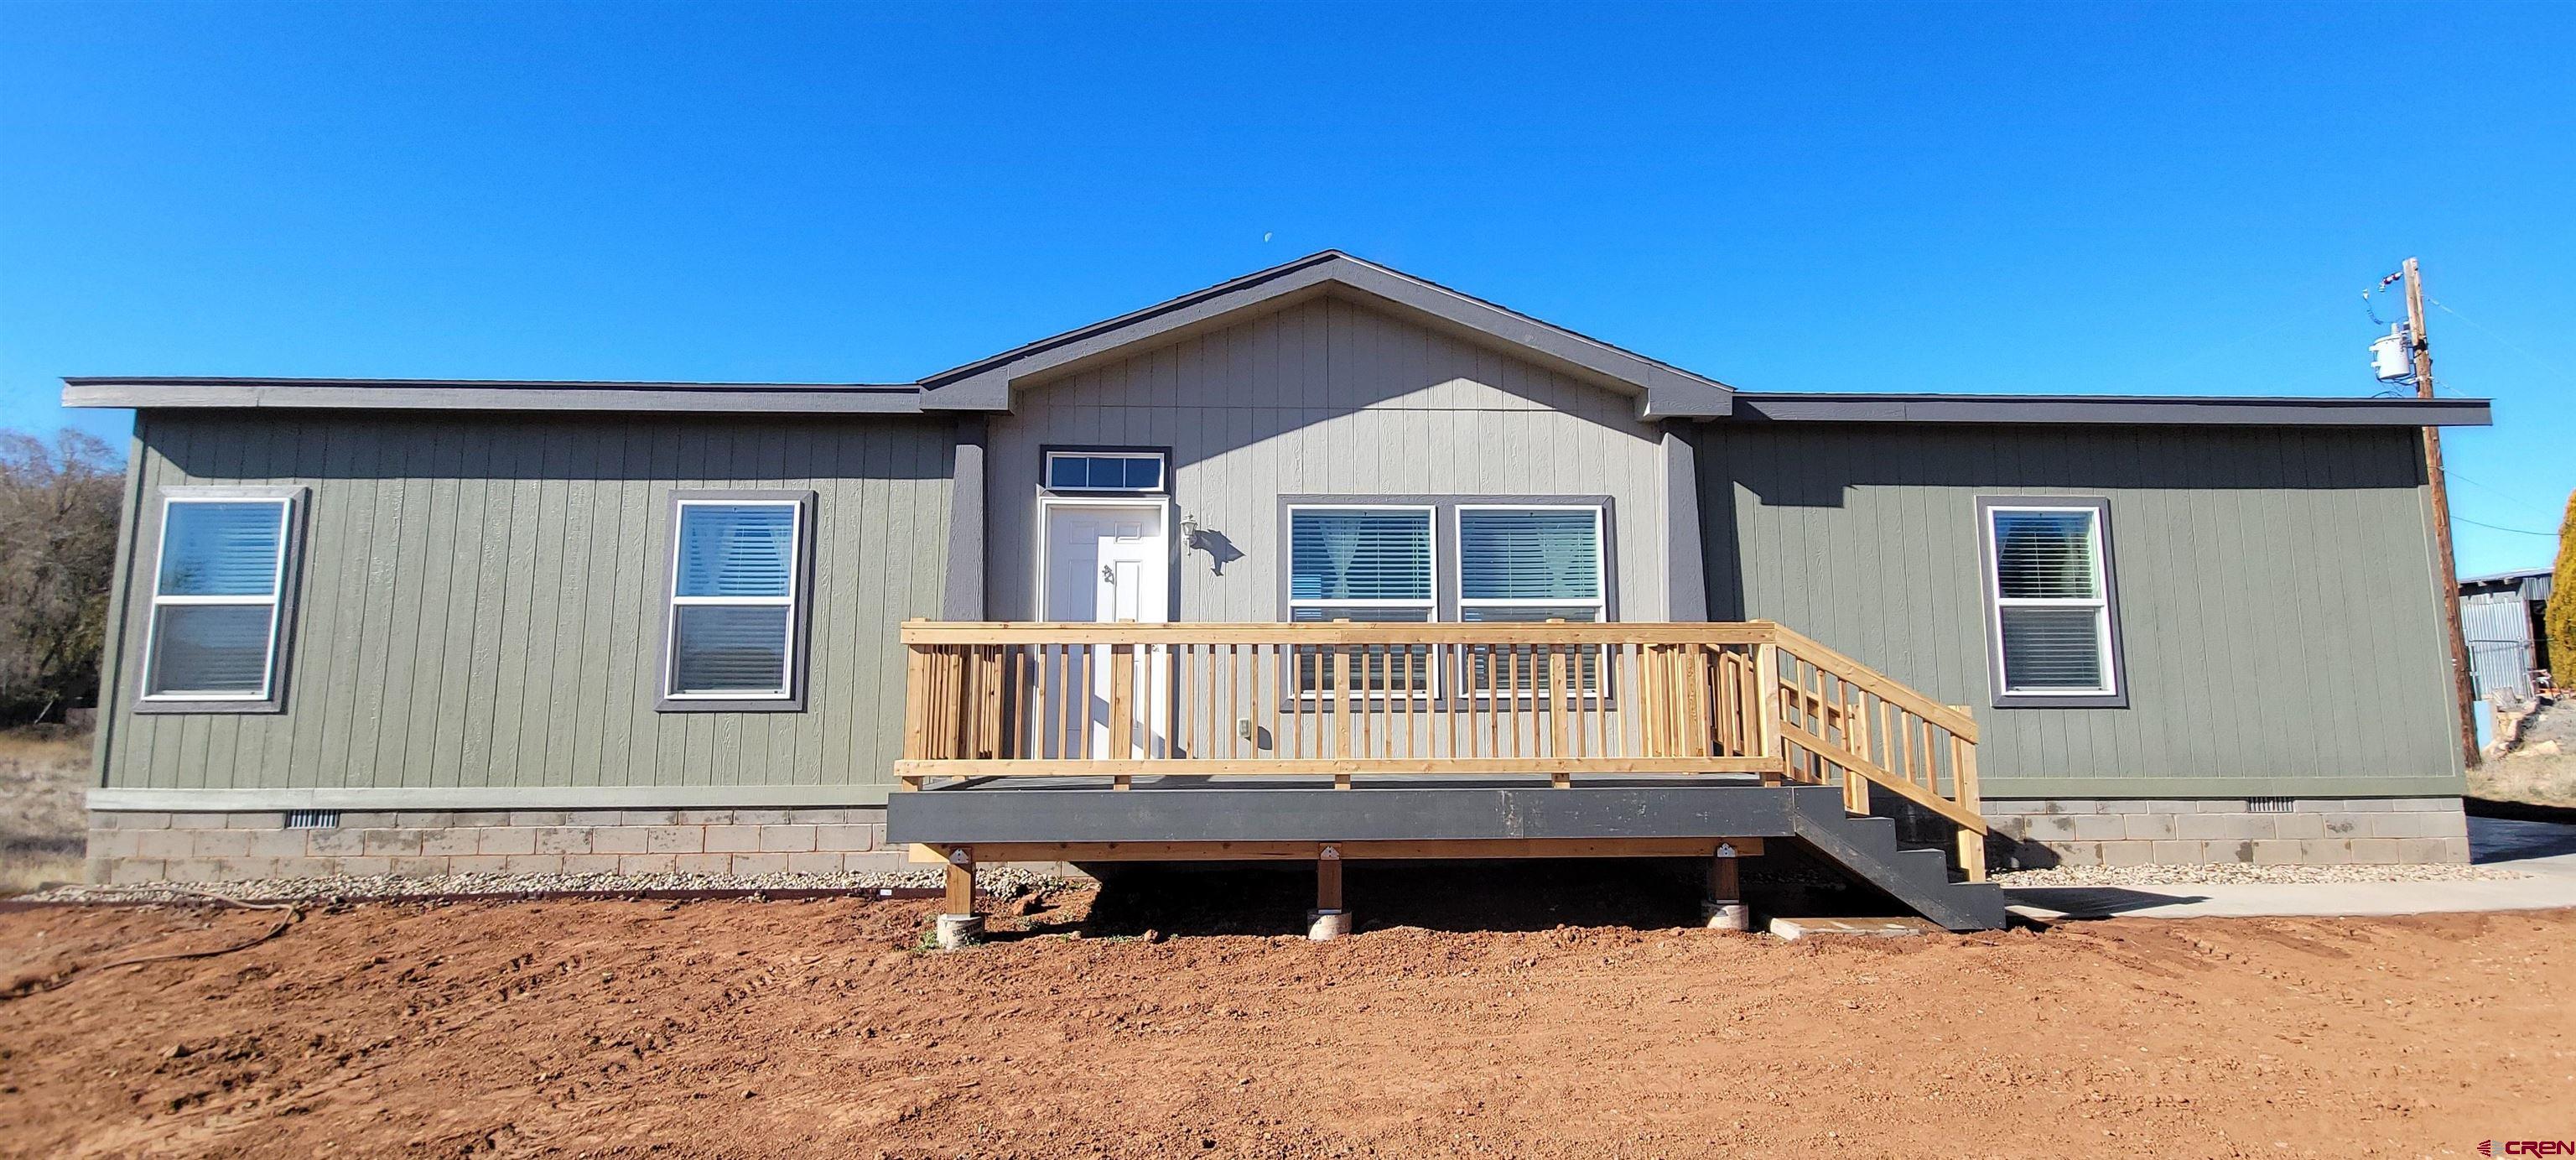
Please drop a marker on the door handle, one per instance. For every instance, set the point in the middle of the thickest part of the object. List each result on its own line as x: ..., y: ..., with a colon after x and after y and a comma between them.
x: 1108, y: 574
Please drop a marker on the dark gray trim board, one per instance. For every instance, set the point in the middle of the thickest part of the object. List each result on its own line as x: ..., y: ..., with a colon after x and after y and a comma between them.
x: 1203, y: 813
x: 1663, y: 390
x: 800, y: 614
x: 2117, y: 409
x: 299, y: 508
x: 963, y: 596
x: 1686, y: 582
x: 470, y: 395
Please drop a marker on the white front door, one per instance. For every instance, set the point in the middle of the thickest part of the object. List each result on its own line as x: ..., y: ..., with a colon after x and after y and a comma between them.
x: 1111, y: 563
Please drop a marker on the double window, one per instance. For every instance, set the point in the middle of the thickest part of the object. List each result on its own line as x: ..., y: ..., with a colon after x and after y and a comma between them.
x: 735, y: 623
x: 1393, y: 562
x: 2052, y: 628
x: 219, y: 593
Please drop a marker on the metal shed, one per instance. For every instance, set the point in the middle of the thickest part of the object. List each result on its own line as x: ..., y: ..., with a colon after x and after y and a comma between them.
x: 2500, y: 616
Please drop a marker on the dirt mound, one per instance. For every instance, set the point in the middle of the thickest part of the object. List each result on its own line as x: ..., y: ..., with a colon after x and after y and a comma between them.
x: 816, y: 1028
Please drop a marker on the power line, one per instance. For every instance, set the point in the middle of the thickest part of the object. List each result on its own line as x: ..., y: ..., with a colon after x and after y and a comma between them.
x: 2502, y: 528
x: 2523, y: 500
x: 2509, y: 344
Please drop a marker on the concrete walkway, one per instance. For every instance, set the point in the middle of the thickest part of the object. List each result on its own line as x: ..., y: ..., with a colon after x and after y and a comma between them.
x: 2545, y: 852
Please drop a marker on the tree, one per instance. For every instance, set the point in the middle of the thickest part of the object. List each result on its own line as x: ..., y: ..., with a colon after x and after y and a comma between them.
x: 2559, y: 618
x: 58, y: 508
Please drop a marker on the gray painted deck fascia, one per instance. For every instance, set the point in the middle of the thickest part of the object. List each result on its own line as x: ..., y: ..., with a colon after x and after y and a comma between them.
x: 2201, y: 410
x: 464, y: 395
x: 1201, y: 813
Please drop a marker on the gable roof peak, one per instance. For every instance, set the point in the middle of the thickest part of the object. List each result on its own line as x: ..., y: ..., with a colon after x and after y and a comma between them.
x: 1662, y: 390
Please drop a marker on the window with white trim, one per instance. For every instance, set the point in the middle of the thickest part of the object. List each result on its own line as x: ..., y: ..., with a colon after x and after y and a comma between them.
x: 2048, y: 586
x: 1361, y: 562
x: 218, y: 588
x: 1523, y: 562
x: 1138, y: 471
x: 736, y: 577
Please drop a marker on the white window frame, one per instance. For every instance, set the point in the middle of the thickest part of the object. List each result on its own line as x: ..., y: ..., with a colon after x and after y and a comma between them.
x: 1046, y: 470
x: 286, y: 501
x: 788, y: 694
x: 1429, y: 604
x: 1600, y: 602
x: 2112, y: 692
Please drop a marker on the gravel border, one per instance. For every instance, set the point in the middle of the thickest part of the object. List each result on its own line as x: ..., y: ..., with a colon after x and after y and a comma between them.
x: 996, y: 882
x: 2247, y: 874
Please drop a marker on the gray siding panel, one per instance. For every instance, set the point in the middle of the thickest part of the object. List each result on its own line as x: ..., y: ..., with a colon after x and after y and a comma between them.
x: 2275, y: 592
x: 1328, y: 397
x: 480, y: 600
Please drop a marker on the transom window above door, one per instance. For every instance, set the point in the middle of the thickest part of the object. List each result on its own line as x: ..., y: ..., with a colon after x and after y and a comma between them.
x: 1125, y: 471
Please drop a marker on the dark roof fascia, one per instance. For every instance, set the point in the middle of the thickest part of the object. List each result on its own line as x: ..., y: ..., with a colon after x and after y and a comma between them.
x: 2134, y: 410
x: 491, y: 395
x: 1664, y: 391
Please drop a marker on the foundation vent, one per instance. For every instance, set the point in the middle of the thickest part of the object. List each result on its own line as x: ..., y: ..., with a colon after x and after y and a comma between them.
x: 312, y: 819
x: 2267, y: 805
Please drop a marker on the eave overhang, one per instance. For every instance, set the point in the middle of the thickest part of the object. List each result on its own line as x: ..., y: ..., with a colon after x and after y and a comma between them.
x: 494, y: 395
x: 2121, y: 410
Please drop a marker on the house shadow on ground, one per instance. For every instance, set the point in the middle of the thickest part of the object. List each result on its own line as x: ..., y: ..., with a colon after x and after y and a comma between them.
x: 1266, y: 899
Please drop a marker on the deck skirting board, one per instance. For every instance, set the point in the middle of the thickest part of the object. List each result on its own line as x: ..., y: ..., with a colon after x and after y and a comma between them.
x: 1211, y: 814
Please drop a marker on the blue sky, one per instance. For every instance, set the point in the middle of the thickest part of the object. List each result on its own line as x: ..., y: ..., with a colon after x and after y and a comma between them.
x: 2160, y: 199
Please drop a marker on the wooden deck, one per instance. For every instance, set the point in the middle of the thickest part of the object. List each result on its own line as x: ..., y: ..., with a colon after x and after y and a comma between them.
x: 1353, y: 705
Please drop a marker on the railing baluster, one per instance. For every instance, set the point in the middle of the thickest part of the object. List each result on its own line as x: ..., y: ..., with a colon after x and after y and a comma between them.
x: 1408, y: 701
x: 1493, y: 702
x: 1342, y: 718
x: 1269, y: 706
x: 1443, y: 683
x: 1556, y: 733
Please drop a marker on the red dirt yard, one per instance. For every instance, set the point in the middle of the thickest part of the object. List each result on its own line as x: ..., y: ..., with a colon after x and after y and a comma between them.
x: 588, y: 1028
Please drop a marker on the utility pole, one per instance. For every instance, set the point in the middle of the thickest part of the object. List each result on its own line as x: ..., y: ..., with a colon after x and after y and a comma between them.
x: 2446, y: 573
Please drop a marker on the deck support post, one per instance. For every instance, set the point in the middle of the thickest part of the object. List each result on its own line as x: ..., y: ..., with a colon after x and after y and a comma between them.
x: 959, y: 925
x: 1724, y: 909
x: 1328, y: 921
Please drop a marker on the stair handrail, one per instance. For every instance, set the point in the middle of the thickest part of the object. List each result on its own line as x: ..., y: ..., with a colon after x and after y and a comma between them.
x: 1962, y: 806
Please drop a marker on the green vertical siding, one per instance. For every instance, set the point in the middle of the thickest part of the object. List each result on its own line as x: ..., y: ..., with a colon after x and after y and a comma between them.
x: 2275, y: 593
x: 479, y: 600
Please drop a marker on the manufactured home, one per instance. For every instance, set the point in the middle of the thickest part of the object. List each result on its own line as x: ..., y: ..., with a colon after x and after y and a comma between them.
x: 1326, y: 562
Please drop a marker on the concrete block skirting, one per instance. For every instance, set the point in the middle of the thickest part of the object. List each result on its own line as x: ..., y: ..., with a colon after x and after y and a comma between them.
x: 2039, y: 832
x: 233, y: 846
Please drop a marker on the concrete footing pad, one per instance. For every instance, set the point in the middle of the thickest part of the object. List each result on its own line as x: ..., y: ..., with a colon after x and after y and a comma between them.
x: 960, y: 930
x: 1726, y: 915
x: 1327, y: 925
x: 1793, y: 928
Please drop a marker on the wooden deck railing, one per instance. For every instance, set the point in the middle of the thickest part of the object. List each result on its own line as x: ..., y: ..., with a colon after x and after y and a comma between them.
x: 1346, y: 699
